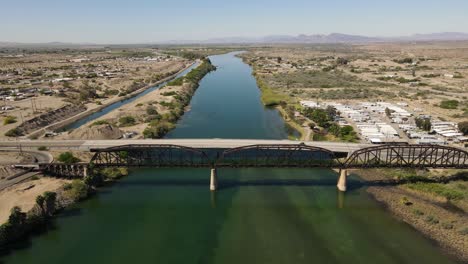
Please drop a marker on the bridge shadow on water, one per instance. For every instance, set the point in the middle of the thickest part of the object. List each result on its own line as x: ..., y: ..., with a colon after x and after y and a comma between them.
x: 352, y: 184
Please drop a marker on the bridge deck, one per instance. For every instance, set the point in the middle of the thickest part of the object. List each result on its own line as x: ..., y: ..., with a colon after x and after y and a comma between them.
x: 86, y: 145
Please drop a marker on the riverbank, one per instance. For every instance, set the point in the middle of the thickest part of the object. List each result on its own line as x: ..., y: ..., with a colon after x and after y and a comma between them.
x: 442, y: 217
x: 151, y: 116
x: 94, y: 108
x: 303, y: 131
x: 29, y: 207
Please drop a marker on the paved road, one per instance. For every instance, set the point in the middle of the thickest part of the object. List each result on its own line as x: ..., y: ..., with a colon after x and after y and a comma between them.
x: 41, y: 157
x: 86, y: 145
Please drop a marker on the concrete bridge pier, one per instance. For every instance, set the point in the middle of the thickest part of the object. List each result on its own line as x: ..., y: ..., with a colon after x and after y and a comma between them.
x: 342, y: 180
x: 213, y: 180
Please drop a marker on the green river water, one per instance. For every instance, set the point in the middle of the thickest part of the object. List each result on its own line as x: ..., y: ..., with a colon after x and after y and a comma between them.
x: 257, y: 216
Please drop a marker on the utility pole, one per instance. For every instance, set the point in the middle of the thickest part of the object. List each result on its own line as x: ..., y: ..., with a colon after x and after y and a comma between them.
x: 32, y: 105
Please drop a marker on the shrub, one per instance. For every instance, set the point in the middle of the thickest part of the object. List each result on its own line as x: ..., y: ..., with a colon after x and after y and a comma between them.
x: 171, y: 93
x: 77, y: 190
x: 431, y: 219
x: 113, y: 173
x: 438, y: 189
x: 151, y: 110
x: 464, y: 231
x: 15, y: 132
x: 405, y: 201
x: 127, y: 121
x: 9, y: 120
x: 157, y: 130
x: 449, y: 104
x: 418, y: 212
x: 177, y: 82
x: 100, y: 122
x: 68, y: 158
x: 447, y: 225
x: 92, y: 180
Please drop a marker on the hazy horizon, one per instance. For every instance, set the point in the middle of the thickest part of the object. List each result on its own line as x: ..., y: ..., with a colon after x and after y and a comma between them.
x: 144, y: 21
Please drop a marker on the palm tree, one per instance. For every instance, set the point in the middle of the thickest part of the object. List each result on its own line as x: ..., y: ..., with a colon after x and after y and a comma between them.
x: 40, y: 202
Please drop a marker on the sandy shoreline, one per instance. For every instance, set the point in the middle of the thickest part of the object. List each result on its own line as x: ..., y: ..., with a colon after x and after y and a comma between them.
x: 24, y: 194
x: 417, y: 210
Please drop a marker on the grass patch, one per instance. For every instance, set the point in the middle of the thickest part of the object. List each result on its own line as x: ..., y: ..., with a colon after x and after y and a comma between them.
x: 100, y: 122
x: 320, y: 79
x: 126, y: 121
x: 449, y: 104
x: 9, y: 120
x: 439, y: 189
x: 269, y: 97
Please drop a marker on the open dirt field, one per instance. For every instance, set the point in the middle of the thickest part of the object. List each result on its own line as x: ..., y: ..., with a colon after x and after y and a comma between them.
x: 24, y: 195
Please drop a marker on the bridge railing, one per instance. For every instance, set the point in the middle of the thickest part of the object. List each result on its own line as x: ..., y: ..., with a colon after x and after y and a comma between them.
x: 404, y: 156
x: 277, y: 156
x: 150, y: 156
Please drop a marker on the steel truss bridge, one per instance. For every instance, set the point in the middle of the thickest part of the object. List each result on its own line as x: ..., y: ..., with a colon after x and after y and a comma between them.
x: 267, y: 155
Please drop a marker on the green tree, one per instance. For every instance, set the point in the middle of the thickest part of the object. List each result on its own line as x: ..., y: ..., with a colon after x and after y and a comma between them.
x: 463, y: 127
x: 68, y: 158
x: 40, y: 202
x: 50, y: 199
x: 16, y: 218
x: 423, y: 123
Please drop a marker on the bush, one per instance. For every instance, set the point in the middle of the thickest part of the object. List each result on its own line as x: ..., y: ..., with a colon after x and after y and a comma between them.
x: 449, y: 104
x: 157, y: 130
x: 177, y: 82
x: 76, y: 190
x: 9, y: 120
x: 464, y: 231
x: 92, y: 180
x: 127, y: 121
x: 100, y: 122
x: 15, y: 132
x: 151, y: 110
x: 447, y: 225
x: 438, y: 189
x: 113, y: 173
x: 431, y: 219
x: 171, y: 93
x: 68, y: 158
x: 418, y: 212
x: 405, y: 201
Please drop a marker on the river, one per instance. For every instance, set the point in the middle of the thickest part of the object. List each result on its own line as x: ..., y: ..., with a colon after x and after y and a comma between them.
x: 257, y: 216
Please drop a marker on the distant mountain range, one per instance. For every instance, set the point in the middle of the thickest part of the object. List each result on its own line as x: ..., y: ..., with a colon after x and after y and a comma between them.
x: 336, y: 38
x: 275, y: 39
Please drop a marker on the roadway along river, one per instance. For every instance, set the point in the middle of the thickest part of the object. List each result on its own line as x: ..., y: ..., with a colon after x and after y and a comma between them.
x: 258, y: 216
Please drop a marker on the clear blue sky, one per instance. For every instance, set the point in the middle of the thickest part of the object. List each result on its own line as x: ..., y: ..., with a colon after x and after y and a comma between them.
x: 138, y: 21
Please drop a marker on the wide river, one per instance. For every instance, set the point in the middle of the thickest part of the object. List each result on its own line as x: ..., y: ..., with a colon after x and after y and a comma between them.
x: 257, y: 216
